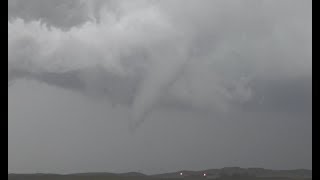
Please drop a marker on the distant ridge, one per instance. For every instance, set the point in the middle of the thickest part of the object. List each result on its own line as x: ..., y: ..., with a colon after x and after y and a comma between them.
x: 256, y: 172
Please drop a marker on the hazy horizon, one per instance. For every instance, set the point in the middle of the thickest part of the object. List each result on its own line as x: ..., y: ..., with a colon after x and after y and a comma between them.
x: 159, y: 173
x: 158, y: 86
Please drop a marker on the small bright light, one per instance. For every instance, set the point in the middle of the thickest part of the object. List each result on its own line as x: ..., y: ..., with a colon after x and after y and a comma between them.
x: 181, y: 173
x: 204, y: 174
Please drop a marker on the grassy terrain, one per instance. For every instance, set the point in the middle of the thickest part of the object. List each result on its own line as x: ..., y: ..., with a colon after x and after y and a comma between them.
x: 117, y: 177
x: 227, y: 173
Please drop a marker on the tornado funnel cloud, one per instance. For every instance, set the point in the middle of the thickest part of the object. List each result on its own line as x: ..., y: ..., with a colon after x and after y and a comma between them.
x: 148, y: 54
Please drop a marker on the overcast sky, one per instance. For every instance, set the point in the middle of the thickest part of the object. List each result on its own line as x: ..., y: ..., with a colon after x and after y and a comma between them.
x: 159, y: 85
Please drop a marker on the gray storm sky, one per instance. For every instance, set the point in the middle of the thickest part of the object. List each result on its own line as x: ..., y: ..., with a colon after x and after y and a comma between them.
x: 158, y: 86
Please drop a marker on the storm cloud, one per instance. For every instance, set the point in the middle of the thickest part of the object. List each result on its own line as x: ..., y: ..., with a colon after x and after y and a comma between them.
x: 215, y: 57
x: 148, y: 50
